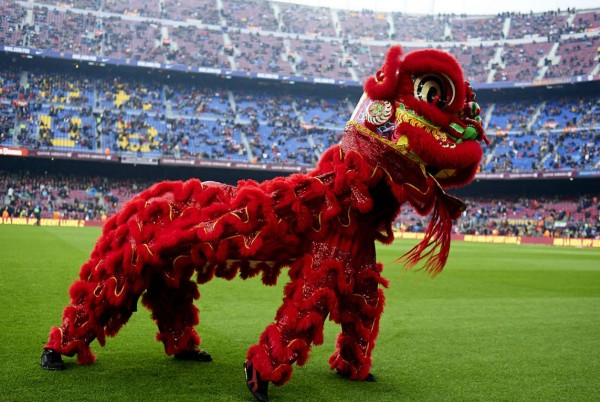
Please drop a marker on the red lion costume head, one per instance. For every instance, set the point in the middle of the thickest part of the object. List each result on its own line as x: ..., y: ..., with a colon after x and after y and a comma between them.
x: 419, y: 103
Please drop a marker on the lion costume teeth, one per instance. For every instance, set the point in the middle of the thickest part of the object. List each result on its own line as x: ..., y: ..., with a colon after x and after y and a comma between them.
x: 322, y: 225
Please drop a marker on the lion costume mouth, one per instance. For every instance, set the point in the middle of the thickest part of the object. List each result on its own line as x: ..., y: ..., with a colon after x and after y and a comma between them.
x: 404, y: 115
x: 443, y: 156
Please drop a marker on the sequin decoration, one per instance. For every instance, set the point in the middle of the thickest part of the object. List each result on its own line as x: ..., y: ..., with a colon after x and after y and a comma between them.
x: 379, y: 112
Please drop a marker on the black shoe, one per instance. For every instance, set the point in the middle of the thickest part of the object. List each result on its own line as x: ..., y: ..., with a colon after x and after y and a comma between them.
x: 369, y: 378
x: 257, y: 387
x: 195, y: 354
x: 51, y: 360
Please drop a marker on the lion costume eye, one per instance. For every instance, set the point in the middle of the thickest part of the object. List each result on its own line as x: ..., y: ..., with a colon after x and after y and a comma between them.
x: 435, y: 89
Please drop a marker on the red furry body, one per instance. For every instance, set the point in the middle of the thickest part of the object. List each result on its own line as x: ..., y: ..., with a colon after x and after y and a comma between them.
x: 322, y: 225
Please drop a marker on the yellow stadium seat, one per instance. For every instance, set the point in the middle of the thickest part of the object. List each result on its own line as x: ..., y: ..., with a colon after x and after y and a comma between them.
x: 63, y: 142
x: 47, y: 120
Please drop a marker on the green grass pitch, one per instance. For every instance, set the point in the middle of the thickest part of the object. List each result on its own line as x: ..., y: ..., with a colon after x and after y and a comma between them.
x: 501, y: 323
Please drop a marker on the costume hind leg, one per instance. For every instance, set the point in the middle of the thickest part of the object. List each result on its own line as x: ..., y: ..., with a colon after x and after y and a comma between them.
x: 103, y: 304
x: 121, y: 268
x: 98, y: 308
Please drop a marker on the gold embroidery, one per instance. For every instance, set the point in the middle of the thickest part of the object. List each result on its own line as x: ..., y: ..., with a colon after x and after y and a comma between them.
x: 245, y: 209
x: 400, y: 148
x: 406, y: 116
x: 148, y: 248
x: 319, y: 222
x: 349, y: 220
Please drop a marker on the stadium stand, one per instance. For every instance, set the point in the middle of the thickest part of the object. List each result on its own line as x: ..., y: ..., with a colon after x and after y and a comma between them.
x: 255, y: 15
x: 191, y: 45
x: 227, y: 34
x: 137, y: 7
x: 578, y: 56
x: 255, y: 51
x: 202, y: 11
x: 67, y: 197
x: 545, y: 217
x: 364, y: 24
x: 538, y: 24
x: 465, y: 28
x: 312, y: 21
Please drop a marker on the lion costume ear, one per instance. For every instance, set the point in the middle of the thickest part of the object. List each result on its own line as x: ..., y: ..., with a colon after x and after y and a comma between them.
x: 384, y: 84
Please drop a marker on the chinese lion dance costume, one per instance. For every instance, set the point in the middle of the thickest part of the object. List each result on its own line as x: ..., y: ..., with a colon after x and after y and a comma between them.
x: 415, y: 132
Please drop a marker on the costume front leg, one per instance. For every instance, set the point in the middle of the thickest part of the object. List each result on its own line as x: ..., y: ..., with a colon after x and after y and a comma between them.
x: 298, y: 324
x: 309, y: 297
x: 359, y: 314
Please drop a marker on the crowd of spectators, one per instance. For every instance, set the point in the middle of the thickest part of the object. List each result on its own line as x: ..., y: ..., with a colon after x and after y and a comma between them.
x: 578, y: 56
x: 423, y: 28
x: 7, y: 122
x: 319, y: 58
x: 9, y: 83
x: 260, y: 52
x: 568, y: 113
x: 302, y: 20
x: 64, y: 196
x: 542, y: 217
x: 203, y: 11
x: 477, y: 28
x: 147, y: 117
x: 527, y: 24
x: 520, y: 63
x: 154, y: 117
x: 137, y: 7
x: 279, y: 127
x: 269, y: 37
x: 563, y: 136
x: 573, y: 150
x: 586, y: 21
x: 550, y: 217
x: 97, y: 198
x: 544, y: 150
x: 511, y: 115
x: 62, y: 30
x: 364, y: 24
x: 190, y: 45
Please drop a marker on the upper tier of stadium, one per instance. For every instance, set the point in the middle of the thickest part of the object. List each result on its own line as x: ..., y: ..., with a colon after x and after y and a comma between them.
x: 290, y: 40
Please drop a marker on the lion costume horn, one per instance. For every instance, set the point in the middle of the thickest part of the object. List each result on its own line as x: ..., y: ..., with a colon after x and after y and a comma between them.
x: 383, y: 85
